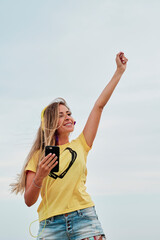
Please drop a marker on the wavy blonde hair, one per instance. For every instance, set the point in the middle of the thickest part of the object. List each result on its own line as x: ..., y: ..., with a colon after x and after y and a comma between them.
x: 46, y: 135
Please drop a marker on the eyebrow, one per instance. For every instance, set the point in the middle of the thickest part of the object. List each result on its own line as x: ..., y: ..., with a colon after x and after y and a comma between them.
x: 63, y: 112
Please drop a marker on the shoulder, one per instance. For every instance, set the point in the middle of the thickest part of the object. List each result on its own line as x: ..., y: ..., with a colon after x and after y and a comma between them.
x: 81, y: 141
x: 33, y: 162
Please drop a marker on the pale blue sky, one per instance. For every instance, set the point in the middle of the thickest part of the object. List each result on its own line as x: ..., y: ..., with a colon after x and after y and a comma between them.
x: 67, y: 48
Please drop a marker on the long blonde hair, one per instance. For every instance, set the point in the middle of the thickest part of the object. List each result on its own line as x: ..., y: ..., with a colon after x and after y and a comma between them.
x: 46, y: 135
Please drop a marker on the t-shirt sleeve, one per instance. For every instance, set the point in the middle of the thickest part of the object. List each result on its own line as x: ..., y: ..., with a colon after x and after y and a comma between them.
x: 84, y: 143
x: 33, y: 162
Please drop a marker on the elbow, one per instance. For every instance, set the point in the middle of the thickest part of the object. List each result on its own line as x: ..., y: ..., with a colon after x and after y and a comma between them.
x: 99, y: 106
x: 27, y: 202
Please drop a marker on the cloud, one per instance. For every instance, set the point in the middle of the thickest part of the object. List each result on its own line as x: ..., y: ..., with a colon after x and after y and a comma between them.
x: 121, y: 183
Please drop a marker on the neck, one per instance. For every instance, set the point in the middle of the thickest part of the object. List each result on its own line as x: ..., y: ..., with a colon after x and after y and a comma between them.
x: 63, y: 139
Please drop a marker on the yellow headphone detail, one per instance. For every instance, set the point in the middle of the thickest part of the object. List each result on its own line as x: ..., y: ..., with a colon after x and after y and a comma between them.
x: 42, y: 117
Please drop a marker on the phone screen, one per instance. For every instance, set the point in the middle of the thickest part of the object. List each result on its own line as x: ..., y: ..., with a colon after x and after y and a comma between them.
x: 55, y: 150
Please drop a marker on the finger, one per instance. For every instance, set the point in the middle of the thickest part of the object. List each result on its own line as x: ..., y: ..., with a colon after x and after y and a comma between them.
x: 46, y: 158
x: 119, y: 57
x: 53, y: 165
x: 120, y: 53
x: 124, y: 60
x: 51, y: 158
x: 52, y: 161
x: 122, y: 57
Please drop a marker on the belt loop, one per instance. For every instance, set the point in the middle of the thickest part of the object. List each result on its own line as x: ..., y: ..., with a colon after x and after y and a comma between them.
x: 52, y: 219
x: 79, y: 212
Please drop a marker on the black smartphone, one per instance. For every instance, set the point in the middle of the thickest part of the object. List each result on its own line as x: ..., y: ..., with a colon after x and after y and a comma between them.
x: 55, y: 150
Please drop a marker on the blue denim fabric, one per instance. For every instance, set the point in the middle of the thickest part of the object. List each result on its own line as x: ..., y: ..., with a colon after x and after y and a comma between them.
x: 76, y: 225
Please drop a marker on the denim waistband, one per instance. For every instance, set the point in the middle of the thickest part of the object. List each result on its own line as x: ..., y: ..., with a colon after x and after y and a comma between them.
x: 72, y: 214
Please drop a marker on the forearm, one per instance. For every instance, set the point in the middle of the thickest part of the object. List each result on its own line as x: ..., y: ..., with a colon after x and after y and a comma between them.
x: 32, y: 192
x: 108, y: 90
x: 34, y: 180
x: 92, y: 123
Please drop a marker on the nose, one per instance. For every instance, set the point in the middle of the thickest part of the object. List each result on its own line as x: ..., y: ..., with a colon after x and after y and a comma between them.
x: 67, y: 117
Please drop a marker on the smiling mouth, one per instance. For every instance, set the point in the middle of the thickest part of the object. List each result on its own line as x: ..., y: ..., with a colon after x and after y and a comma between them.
x: 68, y: 124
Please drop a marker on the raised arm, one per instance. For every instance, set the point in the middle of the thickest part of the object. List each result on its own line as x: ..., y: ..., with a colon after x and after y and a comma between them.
x: 92, y: 124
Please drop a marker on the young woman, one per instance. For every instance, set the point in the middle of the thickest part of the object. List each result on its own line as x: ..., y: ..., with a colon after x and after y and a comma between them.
x: 66, y: 210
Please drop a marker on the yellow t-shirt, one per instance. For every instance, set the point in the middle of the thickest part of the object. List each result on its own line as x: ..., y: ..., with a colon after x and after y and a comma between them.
x: 66, y: 193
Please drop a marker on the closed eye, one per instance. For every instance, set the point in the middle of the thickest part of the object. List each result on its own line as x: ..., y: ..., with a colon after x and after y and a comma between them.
x: 63, y: 115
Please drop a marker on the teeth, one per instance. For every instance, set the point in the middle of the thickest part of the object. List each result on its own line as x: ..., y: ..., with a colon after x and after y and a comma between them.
x: 68, y: 124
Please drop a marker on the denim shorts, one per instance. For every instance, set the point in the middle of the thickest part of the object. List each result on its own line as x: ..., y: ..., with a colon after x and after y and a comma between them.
x: 75, y: 225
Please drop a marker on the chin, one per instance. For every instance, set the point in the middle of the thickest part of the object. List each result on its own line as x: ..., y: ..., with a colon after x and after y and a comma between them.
x: 67, y: 131
x: 71, y: 130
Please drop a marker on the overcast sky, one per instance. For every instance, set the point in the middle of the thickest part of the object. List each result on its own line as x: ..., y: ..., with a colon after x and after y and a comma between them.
x: 67, y: 49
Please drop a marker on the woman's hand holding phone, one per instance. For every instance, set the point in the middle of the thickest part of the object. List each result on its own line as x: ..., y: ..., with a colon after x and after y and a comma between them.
x: 46, y: 165
x: 34, y: 180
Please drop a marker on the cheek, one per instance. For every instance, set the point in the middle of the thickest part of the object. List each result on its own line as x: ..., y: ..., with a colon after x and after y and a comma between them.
x: 60, y: 127
x: 60, y: 121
